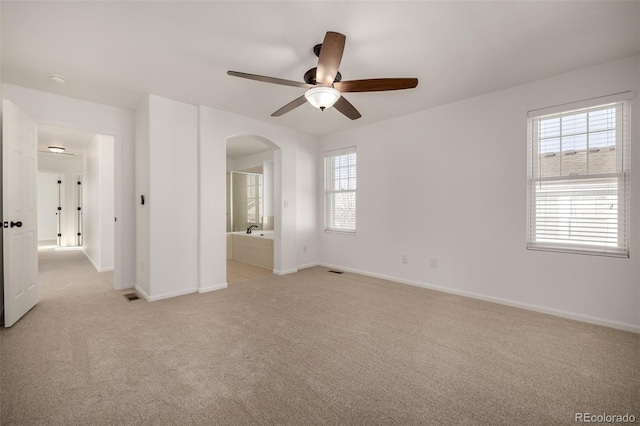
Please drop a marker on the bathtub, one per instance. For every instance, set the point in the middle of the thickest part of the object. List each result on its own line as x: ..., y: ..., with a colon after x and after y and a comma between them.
x: 258, y: 234
x: 255, y: 248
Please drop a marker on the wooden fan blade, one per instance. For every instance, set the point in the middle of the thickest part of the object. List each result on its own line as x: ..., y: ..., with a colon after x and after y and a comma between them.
x: 291, y: 105
x: 376, y: 85
x: 330, y: 57
x: 269, y: 79
x: 345, y: 107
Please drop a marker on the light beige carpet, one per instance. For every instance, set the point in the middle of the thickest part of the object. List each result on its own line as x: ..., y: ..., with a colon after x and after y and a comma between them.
x: 307, y: 348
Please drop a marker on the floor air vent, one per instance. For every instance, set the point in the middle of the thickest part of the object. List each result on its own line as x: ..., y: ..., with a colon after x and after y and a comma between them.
x: 131, y: 296
x: 336, y: 272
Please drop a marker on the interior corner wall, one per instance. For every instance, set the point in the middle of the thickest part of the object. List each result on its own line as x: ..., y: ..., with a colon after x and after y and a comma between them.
x: 172, y: 198
x: 50, y: 109
x: 448, y: 184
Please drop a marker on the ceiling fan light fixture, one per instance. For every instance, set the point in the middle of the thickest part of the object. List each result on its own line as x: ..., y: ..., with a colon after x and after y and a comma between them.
x: 56, y: 149
x: 322, y: 97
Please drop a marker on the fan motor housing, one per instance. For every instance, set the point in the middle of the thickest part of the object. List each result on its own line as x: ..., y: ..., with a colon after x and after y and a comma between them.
x: 310, y: 76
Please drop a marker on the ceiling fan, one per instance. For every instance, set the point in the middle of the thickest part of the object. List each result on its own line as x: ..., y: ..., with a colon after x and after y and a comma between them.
x: 324, y: 82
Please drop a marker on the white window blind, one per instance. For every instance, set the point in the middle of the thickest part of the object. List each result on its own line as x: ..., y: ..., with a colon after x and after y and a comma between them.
x: 340, y: 190
x: 578, y: 174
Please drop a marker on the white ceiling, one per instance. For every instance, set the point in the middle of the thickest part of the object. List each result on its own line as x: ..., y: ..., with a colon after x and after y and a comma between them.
x: 74, y: 141
x: 115, y: 52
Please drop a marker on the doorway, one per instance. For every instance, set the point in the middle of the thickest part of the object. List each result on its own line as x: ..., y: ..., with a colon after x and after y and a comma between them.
x: 76, y: 194
x: 249, y: 209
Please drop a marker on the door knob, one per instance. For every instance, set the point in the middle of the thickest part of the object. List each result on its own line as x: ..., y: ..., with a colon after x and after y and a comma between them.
x: 18, y: 224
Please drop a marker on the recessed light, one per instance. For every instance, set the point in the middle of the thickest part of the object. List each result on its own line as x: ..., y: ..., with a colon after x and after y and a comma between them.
x: 57, y: 149
x: 57, y: 79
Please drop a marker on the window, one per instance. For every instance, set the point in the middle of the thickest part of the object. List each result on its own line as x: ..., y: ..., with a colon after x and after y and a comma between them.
x: 578, y: 191
x: 254, y: 198
x: 340, y: 190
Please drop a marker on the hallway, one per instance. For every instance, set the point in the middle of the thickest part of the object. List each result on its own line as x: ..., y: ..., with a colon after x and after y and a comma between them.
x: 67, y: 274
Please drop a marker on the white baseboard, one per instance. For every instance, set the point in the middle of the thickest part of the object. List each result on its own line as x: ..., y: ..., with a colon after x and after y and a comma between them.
x: 164, y: 295
x: 285, y: 272
x: 530, y: 307
x: 308, y: 265
x: 97, y: 268
x: 212, y: 288
x: 142, y: 293
x: 91, y: 260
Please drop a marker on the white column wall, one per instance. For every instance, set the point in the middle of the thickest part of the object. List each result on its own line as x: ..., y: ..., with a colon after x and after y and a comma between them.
x: 172, y: 199
x: 449, y: 183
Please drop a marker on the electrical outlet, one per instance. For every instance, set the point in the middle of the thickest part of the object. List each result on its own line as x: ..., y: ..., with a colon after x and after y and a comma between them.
x: 405, y: 258
x: 434, y: 263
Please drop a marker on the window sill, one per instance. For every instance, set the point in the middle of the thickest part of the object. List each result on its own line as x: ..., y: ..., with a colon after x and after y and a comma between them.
x: 338, y: 231
x: 580, y: 250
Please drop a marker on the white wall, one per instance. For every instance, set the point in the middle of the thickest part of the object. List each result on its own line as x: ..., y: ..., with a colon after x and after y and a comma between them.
x: 48, y: 206
x: 98, y: 205
x: 90, y: 196
x: 309, y: 210
x: 107, y: 197
x: 50, y: 109
x: 249, y: 161
x: 171, y: 199
x: 268, y: 187
x: 449, y: 183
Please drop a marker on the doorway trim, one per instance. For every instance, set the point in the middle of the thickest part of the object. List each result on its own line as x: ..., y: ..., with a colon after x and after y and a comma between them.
x: 118, y: 270
x: 277, y: 198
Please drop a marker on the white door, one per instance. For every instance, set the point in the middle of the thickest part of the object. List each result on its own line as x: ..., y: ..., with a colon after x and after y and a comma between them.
x: 20, y: 219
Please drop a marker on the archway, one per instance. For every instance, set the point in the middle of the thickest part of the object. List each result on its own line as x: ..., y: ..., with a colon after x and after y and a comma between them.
x: 250, y: 224
x: 215, y: 128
